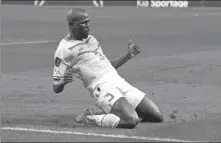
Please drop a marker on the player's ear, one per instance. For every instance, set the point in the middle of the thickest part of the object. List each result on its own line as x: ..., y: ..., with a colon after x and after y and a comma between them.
x: 71, y: 24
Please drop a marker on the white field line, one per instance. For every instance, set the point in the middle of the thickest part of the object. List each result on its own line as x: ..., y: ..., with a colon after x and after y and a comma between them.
x: 95, y: 134
x: 26, y: 42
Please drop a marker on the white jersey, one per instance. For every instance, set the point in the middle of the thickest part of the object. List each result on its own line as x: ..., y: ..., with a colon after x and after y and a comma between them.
x: 84, y: 59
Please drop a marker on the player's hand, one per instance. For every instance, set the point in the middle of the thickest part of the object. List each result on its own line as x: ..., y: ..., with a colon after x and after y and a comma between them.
x: 60, y: 82
x: 133, y: 49
x: 63, y: 80
x: 67, y: 78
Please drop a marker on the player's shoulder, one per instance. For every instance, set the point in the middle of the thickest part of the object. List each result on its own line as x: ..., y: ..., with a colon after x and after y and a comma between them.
x: 75, y: 44
x: 92, y: 39
x: 67, y: 44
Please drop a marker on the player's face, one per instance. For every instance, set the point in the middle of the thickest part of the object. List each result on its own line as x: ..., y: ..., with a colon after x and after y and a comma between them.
x: 81, y: 27
x: 84, y: 27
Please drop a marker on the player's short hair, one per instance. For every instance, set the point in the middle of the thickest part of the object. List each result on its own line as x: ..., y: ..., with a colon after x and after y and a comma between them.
x: 75, y: 14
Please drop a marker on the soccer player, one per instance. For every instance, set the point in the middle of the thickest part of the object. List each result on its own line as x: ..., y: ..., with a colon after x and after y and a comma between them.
x: 80, y: 54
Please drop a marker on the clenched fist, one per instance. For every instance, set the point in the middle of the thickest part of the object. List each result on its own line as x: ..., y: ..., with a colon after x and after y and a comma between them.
x: 133, y: 49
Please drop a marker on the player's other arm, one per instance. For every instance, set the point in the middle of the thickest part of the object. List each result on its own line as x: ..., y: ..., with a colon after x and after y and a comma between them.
x: 116, y: 63
x: 57, y: 86
x: 61, y: 76
x: 59, y: 83
x: 133, y: 50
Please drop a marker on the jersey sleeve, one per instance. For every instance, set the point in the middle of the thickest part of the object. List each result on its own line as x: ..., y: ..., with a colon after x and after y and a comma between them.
x: 59, y: 68
x: 64, y: 58
x: 61, y: 64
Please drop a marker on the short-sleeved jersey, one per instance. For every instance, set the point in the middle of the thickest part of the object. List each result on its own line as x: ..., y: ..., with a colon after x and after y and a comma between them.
x: 84, y: 59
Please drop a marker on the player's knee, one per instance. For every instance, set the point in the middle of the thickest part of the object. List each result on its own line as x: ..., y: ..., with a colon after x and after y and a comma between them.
x: 159, y: 117
x: 132, y: 120
x: 126, y: 112
x: 132, y: 123
x: 129, y: 123
x: 149, y: 111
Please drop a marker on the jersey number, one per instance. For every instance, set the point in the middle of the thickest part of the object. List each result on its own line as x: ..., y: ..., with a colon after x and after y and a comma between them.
x: 110, y: 97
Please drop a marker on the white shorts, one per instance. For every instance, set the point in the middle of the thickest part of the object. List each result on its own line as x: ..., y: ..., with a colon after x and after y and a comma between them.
x: 107, y: 93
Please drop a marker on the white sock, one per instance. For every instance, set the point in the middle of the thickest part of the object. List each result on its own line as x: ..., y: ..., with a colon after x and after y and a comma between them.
x: 36, y: 3
x: 42, y: 3
x: 101, y: 3
x: 103, y: 120
x: 95, y: 3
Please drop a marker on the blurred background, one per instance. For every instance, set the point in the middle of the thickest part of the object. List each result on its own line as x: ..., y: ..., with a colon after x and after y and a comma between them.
x: 100, y: 3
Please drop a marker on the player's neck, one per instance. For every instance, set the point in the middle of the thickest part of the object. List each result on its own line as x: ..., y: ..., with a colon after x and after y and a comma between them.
x: 72, y: 36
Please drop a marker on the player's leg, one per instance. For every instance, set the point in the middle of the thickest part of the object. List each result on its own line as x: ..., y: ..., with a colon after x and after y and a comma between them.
x: 121, y: 116
x: 36, y: 3
x: 42, y: 3
x: 101, y: 3
x: 89, y: 117
x: 118, y: 111
x: 125, y: 111
x: 111, y: 100
x: 95, y: 3
x: 146, y: 109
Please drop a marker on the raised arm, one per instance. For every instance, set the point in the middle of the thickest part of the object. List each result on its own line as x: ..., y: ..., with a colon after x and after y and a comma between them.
x: 133, y: 50
x: 116, y: 63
